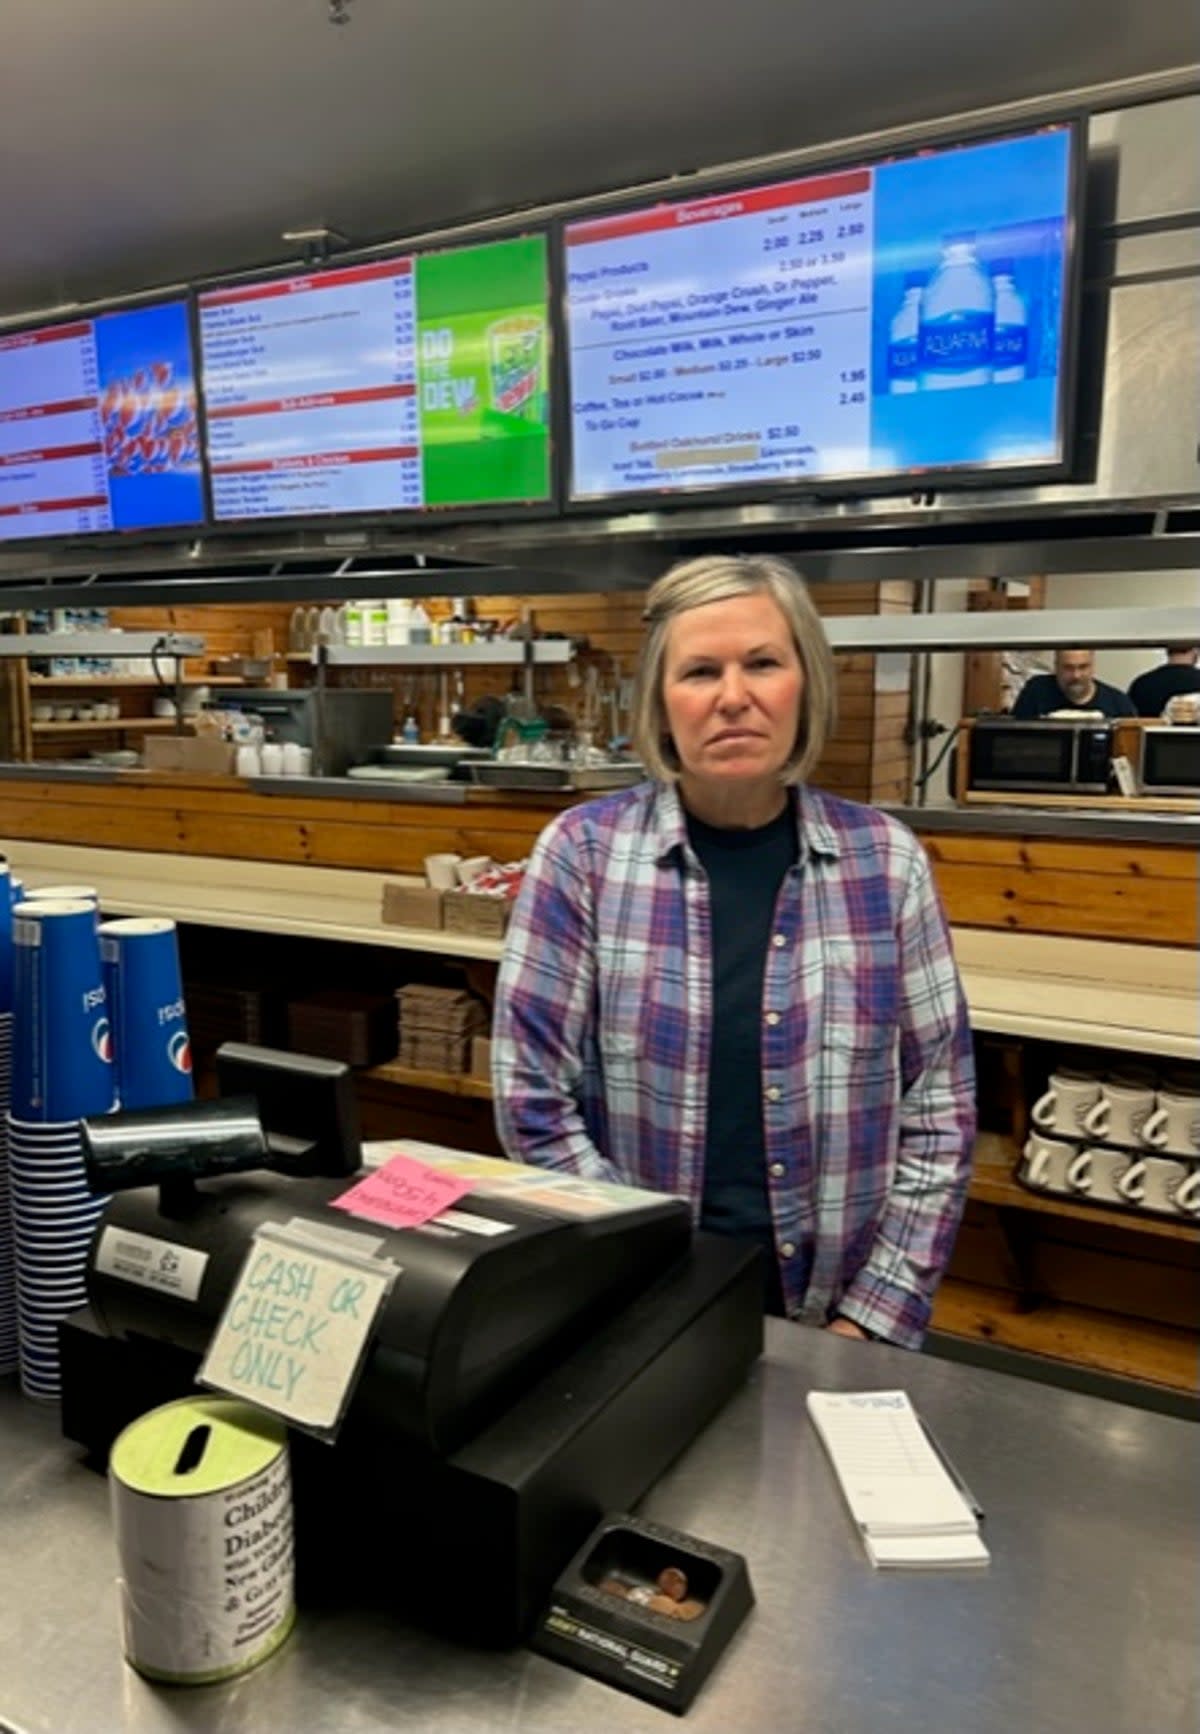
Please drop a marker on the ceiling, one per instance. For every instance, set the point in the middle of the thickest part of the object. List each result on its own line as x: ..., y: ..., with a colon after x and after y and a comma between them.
x: 147, y: 141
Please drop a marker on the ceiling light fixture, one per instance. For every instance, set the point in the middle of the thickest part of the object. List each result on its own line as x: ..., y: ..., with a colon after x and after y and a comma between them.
x: 339, y: 11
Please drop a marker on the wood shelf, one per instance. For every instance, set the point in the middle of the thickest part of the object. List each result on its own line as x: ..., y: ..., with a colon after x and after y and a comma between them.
x: 142, y: 725
x: 101, y: 682
x: 992, y: 1182
x: 1131, y: 1348
x: 445, y: 1083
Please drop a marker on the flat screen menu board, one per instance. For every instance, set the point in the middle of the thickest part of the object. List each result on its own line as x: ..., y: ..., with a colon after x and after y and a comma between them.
x: 399, y: 385
x: 903, y: 317
x: 98, y: 425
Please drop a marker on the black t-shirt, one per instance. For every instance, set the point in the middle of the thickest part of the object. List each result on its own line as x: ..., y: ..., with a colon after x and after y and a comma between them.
x: 1041, y: 694
x: 1151, y: 692
x: 745, y: 870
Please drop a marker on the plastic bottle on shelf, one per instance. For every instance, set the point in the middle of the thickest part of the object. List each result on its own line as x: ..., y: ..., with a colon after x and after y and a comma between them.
x: 399, y: 617
x: 958, y: 315
x: 410, y: 734
x: 419, y: 625
x: 354, y: 623
x: 1010, y: 342
x: 903, y: 336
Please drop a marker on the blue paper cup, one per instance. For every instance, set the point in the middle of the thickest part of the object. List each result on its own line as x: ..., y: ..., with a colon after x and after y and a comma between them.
x: 62, y: 1040
x: 149, y: 1022
x: 6, y: 937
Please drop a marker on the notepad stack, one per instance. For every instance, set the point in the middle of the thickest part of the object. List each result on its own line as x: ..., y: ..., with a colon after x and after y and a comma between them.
x: 903, y: 1498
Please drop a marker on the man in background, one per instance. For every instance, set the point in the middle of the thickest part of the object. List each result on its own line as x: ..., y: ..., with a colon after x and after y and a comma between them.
x: 1072, y: 686
x: 1151, y: 692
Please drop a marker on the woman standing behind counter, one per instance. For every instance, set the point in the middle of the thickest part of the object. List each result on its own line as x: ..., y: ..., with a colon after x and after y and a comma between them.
x: 727, y: 985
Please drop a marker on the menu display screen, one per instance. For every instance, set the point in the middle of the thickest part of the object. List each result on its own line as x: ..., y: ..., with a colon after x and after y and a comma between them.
x: 897, y: 318
x: 98, y: 425
x: 406, y: 384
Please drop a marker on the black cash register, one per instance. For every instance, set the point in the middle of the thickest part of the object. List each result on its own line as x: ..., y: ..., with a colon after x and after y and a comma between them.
x: 545, y: 1353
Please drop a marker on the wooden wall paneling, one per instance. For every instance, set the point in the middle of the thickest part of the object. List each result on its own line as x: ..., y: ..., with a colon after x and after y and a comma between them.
x: 1160, y: 912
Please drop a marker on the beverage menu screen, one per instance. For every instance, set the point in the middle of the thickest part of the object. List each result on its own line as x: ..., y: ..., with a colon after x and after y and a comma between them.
x: 98, y: 425
x: 403, y: 384
x: 885, y: 320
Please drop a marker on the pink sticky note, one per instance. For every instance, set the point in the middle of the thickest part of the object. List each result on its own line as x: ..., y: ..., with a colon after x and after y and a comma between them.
x: 403, y: 1193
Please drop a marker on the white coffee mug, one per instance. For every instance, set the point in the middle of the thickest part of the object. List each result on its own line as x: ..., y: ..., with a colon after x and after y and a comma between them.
x: 1065, y: 1103
x: 1120, y: 1114
x: 271, y: 754
x: 1175, y: 1124
x: 441, y: 871
x: 1044, y: 1162
x: 1097, y: 1172
x: 1186, y: 1196
x: 293, y: 759
x: 247, y: 762
x: 1153, y: 1182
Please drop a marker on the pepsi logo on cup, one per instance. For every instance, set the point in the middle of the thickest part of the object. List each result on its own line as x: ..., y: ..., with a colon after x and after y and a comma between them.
x: 102, y: 1043
x: 150, y: 1035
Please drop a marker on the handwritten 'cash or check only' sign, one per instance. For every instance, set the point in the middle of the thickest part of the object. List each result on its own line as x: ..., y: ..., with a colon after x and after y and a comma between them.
x: 295, y: 1328
x: 403, y: 1193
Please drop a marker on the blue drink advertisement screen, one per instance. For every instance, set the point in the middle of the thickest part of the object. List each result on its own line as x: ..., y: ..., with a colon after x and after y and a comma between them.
x: 889, y: 320
x: 98, y: 425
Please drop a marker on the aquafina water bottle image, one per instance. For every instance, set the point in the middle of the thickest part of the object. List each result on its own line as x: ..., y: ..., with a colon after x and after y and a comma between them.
x: 958, y: 315
x: 904, y: 332
x: 1010, y: 338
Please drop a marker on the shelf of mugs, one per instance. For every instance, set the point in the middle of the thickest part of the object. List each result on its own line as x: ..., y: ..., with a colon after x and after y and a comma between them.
x: 992, y: 1182
x: 119, y: 725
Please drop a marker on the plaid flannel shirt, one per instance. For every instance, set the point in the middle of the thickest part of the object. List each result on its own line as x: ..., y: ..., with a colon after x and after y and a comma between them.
x: 604, y: 1023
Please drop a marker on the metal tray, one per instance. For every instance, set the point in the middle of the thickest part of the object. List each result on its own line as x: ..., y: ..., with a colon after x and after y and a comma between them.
x: 592, y: 779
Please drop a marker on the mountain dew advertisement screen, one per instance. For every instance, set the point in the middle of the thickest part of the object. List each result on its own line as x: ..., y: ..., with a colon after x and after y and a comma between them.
x: 892, y: 319
x: 405, y: 384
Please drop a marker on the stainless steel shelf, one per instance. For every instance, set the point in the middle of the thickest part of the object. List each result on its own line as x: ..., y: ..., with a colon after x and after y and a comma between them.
x: 507, y: 651
x: 1037, y: 629
x: 169, y: 644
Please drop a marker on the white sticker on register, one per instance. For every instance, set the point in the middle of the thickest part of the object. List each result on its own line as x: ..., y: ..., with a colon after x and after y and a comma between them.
x: 296, y: 1328
x: 151, y: 1262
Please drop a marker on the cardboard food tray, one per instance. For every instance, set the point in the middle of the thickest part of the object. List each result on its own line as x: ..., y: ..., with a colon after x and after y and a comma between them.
x: 472, y: 912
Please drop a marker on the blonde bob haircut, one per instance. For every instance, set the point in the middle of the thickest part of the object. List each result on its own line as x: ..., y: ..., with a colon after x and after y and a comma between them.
x: 718, y: 578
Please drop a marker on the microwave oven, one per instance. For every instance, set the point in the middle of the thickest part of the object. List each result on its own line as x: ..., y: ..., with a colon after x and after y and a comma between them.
x: 1063, y: 758
x: 1169, y: 761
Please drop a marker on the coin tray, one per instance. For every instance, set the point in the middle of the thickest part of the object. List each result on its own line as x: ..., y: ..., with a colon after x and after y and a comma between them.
x: 652, y: 1655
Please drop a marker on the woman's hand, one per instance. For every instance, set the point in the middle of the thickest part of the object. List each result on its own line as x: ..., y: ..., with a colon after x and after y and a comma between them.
x: 847, y: 1328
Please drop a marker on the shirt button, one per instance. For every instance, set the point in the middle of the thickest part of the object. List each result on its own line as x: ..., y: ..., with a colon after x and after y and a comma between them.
x: 787, y: 1249
x: 773, y: 1092
x: 778, y: 940
x: 772, y: 1018
x: 777, y: 1171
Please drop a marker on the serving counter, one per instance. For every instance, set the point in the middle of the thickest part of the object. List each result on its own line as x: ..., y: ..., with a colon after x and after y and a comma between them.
x: 1076, y: 927
x: 1085, y: 1618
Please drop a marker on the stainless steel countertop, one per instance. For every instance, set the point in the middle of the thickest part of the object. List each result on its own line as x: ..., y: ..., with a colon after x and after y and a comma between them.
x: 1117, y: 826
x: 1086, y: 1618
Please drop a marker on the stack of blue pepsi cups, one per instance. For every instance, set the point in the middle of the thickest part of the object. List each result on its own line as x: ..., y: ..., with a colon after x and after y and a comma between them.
x: 9, y: 893
x: 98, y: 1023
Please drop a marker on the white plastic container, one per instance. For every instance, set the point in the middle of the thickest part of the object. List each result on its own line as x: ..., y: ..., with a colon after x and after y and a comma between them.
x: 399, y: 616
